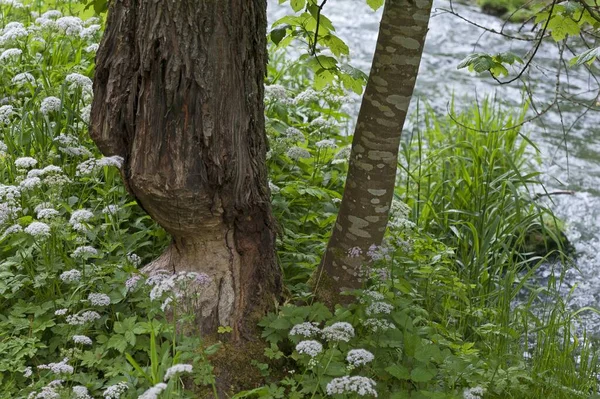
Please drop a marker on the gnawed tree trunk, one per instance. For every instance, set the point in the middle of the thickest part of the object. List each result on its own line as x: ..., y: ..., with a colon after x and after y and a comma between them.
x: 369, y: 189
x: 179, y: 95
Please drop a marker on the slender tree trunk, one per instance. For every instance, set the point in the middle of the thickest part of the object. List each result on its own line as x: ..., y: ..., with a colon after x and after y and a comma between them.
x: 369, y: 190
x: 179, y: 95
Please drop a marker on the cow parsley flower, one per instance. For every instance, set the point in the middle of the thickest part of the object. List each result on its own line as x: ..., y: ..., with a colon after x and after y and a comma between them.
x: 72, y: 26
x: 275, y: 92
x: 23, y: 78
x: 362, y: 386
x: 15, y: 228
x: 79, y: 81
x: 377, y: 325
x: 305, y: 329
x: 296, y: 153
x: 5, y: 112
x: 295, y: 135
x: 86, y: 112
x: 28, y: 372
x: 99, y: 299
x: 177, y: 369
x: 82, y: 339
x: 71, y: 276
x: 3, y: 148
x: 379, y: 308
x: 25, y: 162
x: 340, y: 331
x: 310, y: 348
x: 90, y: 31
x: 79, y: 218
x: 110, y: 210
x: 306, y: 96
x: 113, y: 160
x: 10, y: 53
x: 134, y: 259
x: 81, y: 392
x: 359, y: 357
x: 58, y: 368
x: 326, y: 143
x: 13, y: 32
x: 153, y: 392
x: 50, y: 104
x: 46, y: 213
x: 38, y: 229
x: 115, y: 391
x: 132, y: 281
x: 30, y: 183
x: 84, y: 252
x: 52, y: 14
x: 61, y: 312
x: 83, y: 318
x: 92, y: 48
x: 473, y: 393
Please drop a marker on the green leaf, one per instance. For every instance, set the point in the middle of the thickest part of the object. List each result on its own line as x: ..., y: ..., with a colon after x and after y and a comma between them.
x: 375, y: 4
x: 398, y: 371
x: 278, y: 34
x: 586, y: 57
x: 117, y: 342
x: 297, y: 5
x: 421, y: 374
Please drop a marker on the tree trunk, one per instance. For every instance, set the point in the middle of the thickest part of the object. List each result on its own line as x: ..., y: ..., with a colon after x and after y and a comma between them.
x: 179, y: 95
x: 369, y: 189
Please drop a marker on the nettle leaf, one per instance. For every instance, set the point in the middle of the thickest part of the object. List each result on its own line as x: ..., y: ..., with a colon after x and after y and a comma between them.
x: 587, y: 57
x: 398, y: 371
x: 375, y: 4
x: 478, y: 62
x: 421, y: 374
x: 336, y: 45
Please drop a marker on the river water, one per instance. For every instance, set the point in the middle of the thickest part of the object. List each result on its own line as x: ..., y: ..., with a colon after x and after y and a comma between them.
x: 569, y: 142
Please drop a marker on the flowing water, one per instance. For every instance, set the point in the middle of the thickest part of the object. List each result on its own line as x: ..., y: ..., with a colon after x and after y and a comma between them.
x: 569, y: 142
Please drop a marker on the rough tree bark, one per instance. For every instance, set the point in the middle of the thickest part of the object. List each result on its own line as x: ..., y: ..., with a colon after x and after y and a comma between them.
x: 179, y: 95
x: 369, y: 189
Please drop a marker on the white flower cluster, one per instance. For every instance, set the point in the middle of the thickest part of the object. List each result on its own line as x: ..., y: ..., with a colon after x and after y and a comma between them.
x: 38, y: 229
x: 71, y: 276
x: 91, y: 165
x: 166, y: 283
x: 326, y: 143
x: 81, y: 392
x: 115, y: 391
x: 84, y: 252
x: 3, y: 148
x: 50, y: 104
x: 310, y: 348
x: 473, y: 393
x: 58, y: 368
x: 13, y: 31
x: 362, y: 386
x: 11, y: 53
x: 340, y: 331
x: 359, y: 357
x: 306, y: 96
x: 15, y: 228
x: 342, y: 155
x: 52, y: 176
x: 61, y: 312
x: 71, y: 26
x: 79, y: 219
x: 30, y: 183
x: 276, y: 93
x: 92, y: 48
x: 79, y: 81
x: 82, y: 339
x: 23, y: 78
x: 295, y: 135
x: 86, y: 112
x: 110, y: 210
x: 153, y: 392
x: 98, y: 299
x: 132, y: 281
x: 379, y: 308
x: 377, y: 325
x: 134, y: 259
x: 5, y: 112
x: 295, y: 153
x: 305, y: 329
x: 90, y: 31
x: 25, y: 162
x: 47, y: 392
x: 8, y: 211
x: 83, y: 318
x: 177, y: 369
x: 28, y: 372
x: 46, y: 213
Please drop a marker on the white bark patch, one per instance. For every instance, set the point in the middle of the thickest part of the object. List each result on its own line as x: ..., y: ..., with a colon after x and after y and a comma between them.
x: 376, y: 192
x: 406, y: 42
x: 400, y: 102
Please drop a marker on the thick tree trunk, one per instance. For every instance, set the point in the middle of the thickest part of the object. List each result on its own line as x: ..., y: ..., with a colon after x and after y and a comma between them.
x: 179, y: 95
x: 369, y: 190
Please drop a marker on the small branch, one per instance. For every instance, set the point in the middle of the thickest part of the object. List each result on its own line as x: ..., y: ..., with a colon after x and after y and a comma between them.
x: 319, y: 9
x: 563, y: 192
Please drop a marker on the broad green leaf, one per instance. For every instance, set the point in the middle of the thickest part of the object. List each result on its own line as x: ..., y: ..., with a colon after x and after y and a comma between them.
x: 297, y: 5
x: 398, y: 371
x: 586, y: 57
x: 421, y: 374
x: 375, y: 4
